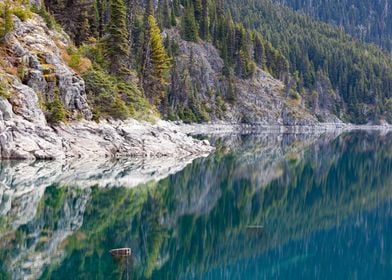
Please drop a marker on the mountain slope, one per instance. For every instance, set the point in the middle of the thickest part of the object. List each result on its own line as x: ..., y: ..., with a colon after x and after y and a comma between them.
x: 325, y: 61
x: 368, y: 20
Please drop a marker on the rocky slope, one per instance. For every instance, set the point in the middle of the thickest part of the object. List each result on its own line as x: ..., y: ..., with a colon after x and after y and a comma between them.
x: 258, y: 100
x: 33, y: 70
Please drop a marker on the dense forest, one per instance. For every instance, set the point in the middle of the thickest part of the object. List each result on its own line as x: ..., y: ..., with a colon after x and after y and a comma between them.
x: 129, y: 42
x: 368, y: 20
x: 129, y: 53
x: 323, y: 58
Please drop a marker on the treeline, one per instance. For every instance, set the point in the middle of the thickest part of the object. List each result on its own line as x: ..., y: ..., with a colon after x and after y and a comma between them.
x: 367, y: 20
x: 124, y: 38
x: 359, y: 75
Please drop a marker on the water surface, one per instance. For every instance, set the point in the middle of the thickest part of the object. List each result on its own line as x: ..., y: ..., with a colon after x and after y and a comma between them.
x: 261, y: 207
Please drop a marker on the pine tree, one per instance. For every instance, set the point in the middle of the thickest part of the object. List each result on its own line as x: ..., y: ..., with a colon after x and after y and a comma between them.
x: 117, y: 46
x: 155, y: 64
x: 165, y: 14
x: 197, y: 9
x: 204, y: 20
x: 258, y: 49
x: 173, y: 20
x: 8, y: 24
x: 189, y: 26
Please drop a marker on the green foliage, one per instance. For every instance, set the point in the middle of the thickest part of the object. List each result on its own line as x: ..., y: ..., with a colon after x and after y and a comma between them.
x: 22, y: 13
x: 46, y: 15
x: 188, y: 25
x: 4, y: 89
x: 294, y: 95
x: 7, y: 24
x: 56, y: 111
x: 360, y: 74
x: 156, y: 64
x: 95, y: 53
x: 111, y: 96
x: 367, y: 20
x: 117, y: 48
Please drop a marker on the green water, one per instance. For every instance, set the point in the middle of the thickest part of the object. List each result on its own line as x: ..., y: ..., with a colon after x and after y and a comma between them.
x: 261, y: 207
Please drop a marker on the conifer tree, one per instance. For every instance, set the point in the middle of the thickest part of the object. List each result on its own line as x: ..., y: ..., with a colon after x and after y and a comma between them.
x: 155, y: 63
x: 165, y: 14
x: 197, y: 9
x: 7, y: 24
x: 258, y: 49
x: 173, y: 20
x: 117, y: 46
x: 189, y: 26
x: 204, y: 20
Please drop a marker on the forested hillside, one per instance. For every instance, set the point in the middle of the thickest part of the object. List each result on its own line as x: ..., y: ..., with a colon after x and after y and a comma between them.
x: 136, y: 42
x: 324, y: 60
x: 202, y: 60
x: 368, y: 20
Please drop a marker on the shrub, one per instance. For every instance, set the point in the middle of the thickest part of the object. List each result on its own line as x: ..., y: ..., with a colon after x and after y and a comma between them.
x: 111, y: 96
x: 76, y: 60
x: 7, y: 24
x: 47, y: 17
x: 294, y: 95
x: 21, y: 13
x: 4, y: 90
x: 56, y: 110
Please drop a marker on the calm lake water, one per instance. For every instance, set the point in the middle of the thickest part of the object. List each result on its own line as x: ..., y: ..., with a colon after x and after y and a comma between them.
x: 261, y: 207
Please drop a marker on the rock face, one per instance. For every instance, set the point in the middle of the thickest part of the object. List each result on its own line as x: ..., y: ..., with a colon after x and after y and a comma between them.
x: 38, y: 52
x: 35, y: 71
x: 257, y: 100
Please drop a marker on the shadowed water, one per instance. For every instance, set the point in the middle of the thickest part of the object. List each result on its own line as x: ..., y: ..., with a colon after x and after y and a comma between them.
x: 261, y: 207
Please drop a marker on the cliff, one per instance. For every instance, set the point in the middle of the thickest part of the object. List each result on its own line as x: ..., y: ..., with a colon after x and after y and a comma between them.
x: 33, y: 73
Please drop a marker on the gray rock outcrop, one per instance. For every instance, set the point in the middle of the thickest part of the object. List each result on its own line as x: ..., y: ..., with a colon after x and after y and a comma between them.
x: 41, y: 73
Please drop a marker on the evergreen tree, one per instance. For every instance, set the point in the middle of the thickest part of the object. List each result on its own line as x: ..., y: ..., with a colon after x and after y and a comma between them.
x: 258, y: 49
x: 173, y: 20
x: 166, y: 22
x: 7, y: 24
x: 189, y: 26
x: 204, y: 20
x: 155, y: 64
x: 117, y: 46
x: 197, y: 9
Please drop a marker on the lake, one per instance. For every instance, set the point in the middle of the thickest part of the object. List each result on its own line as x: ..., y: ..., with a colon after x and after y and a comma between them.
x: 264, y: 206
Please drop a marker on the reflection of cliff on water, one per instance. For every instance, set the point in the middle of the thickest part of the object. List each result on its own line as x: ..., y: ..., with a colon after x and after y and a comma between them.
x: 195, y: 221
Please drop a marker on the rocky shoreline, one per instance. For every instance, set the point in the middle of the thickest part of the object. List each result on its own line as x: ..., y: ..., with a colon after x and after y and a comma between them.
x: 21, y: 140
x: 229, y: 128
x: 26, y: 134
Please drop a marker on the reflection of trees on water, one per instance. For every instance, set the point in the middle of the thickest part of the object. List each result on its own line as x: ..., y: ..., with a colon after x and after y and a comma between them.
x: 197, y: 219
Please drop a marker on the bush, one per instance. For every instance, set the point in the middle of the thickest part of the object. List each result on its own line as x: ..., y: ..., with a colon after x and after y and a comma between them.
x: 110, y: 96
x: 56, y: 110
x: 4, y: 90
x: 47, y: 17
x: 7, y: 24
x: 21, y: 13
x: 295, y: 95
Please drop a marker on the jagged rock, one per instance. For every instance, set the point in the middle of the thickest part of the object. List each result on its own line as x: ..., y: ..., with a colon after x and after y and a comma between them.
x: 35, y: 45
x: 5, y: 109
x: 258, y: 100
x: 24, y: 132
x: 26, y: 104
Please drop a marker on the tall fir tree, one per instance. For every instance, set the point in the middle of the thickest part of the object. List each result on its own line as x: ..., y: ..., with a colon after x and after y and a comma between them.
x: 204, y: 20
x: 117, y: 45
x: 156, y: 64
x: 189, y: 26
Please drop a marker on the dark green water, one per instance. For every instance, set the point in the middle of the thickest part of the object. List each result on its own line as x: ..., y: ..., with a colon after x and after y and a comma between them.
x: 261, y: 207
